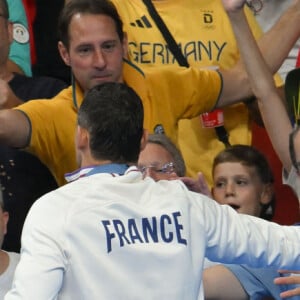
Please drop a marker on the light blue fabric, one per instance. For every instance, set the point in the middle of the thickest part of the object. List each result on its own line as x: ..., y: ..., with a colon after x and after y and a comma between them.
x: 20, y: 47
x: 259, y: 283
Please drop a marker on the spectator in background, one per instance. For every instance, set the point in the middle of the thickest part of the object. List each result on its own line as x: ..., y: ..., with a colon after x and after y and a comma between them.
x: 19, y: 56
x: 204, y: 34
x: 8, y: 260
x: 243, y: 179
x: 24, y: 178
x: 161, y: 159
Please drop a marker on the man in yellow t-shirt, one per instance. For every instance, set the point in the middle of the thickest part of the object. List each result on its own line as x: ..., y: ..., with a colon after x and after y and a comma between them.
x: 204, y: 33
x: 93, y: 44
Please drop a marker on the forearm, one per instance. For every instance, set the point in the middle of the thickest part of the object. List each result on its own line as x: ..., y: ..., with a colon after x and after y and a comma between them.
x: 227, y: 287
x: 262, y: 83
x: 276, y: 43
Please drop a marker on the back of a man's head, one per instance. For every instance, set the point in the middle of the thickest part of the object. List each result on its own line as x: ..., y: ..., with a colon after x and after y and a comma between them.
x: 113, y: 115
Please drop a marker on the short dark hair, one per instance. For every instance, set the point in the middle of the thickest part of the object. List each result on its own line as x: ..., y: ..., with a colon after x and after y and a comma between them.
x: 4, y: 9
x: 95, y: 7
x: 249, y: 156
x: 166, y: 143
x: 113, y: 115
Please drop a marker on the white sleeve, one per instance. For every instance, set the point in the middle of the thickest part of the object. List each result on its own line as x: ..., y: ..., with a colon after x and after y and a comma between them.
x: 39, y: 274
x: 242, y: 239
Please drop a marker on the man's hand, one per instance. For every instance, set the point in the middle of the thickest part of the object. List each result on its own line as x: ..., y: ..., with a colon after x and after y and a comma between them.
x: 7, y: 97
x: 198, y: 185
x: 234, y: 5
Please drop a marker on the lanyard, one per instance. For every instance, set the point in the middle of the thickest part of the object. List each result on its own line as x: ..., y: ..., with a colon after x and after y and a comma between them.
x: 118, y: 169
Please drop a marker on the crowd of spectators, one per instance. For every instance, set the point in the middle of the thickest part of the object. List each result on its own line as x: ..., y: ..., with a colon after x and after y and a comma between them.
x: 200, y: 97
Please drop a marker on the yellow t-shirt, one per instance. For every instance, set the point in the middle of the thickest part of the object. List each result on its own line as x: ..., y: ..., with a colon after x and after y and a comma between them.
x: 204, y: 33
x: 53, y: 121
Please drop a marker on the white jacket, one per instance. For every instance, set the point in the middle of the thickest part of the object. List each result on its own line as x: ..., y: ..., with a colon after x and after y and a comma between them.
x: 122, y: 237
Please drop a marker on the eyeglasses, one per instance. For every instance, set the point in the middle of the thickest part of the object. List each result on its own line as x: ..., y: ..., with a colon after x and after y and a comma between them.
x: 255, y: 5
x: 165, y: 169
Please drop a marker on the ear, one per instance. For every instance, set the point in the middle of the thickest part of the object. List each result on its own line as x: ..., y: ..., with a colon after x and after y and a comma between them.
x: 267, y: 193
x: 144, y: 139
x: 63, y: 51
x: 82, y: 138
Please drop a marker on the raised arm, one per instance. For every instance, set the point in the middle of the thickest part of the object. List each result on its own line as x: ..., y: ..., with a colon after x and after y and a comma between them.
x: 260, y: 77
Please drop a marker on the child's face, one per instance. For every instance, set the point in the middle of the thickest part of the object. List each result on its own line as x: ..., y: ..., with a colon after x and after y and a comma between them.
x: 240, y: 187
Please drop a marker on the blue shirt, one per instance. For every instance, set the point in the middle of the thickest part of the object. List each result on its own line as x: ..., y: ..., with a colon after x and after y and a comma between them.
x: 259, y: 282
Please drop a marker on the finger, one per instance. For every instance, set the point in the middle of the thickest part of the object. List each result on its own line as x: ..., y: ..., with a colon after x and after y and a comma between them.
x: 287, y: 280
x: 290, y: 293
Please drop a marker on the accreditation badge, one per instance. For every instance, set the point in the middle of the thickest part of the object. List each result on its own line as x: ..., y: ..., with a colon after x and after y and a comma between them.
x: 212, y: 119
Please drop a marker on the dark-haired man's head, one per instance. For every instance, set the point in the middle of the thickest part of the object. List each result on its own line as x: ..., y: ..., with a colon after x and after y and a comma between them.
x: 110, y: 124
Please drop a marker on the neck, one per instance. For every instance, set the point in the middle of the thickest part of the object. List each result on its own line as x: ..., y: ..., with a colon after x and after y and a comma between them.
x: 94, y: 162
x: 4, y: 261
